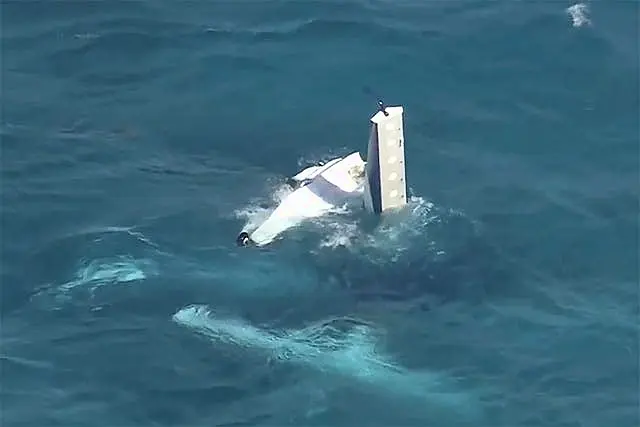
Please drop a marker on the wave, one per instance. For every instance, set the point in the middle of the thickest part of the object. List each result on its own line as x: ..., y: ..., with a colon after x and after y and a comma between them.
x: 343, y: 348
x: 579, y: 14
x: 313, y: 29
x: 93, y: 275
x: 93, y: 263
x: 424, y: 249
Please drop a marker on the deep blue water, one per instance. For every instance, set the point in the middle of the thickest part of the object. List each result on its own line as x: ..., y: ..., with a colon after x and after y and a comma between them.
x: 138, y: 139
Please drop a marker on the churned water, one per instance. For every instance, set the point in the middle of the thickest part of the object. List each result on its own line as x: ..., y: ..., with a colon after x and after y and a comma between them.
x: 139, y: 137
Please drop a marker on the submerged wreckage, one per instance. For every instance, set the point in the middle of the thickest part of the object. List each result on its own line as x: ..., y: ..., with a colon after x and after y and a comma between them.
x: 380, y: 182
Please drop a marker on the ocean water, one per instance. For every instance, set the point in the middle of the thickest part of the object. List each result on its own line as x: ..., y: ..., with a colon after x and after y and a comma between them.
x: 139, y: 137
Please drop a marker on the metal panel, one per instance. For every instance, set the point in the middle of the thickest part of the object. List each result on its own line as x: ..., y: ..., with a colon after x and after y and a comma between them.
x: 386, y: 177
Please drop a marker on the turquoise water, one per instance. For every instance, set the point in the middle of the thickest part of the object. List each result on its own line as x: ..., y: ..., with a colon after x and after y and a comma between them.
x: 138, y: 139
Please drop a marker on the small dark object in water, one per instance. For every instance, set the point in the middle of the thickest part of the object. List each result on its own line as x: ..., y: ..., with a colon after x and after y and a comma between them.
x: 243, y: 239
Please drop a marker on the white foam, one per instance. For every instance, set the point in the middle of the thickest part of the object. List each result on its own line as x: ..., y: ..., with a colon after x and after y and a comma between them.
x: 343, y: 347
x: 97, y: 273
x: 578, y: 13
x: 339, y: 234
x: 100, y: 272
x: 393, y: 236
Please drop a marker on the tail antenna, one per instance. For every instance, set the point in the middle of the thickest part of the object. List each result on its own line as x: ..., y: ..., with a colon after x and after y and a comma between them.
x: 382, y: 107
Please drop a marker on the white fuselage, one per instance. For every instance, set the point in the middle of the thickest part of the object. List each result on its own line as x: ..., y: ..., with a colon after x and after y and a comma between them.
x: 327, y: 187
x: 379, y: 183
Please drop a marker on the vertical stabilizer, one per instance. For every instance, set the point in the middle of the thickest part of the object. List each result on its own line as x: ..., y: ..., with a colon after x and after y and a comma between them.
x: 385, y: 186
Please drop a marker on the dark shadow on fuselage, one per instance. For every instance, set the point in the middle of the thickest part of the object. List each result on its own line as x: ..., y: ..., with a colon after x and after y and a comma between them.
x: 328, y: 191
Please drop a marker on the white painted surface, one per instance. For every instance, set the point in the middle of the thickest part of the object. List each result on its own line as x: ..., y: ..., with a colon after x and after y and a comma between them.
x: 387, y: 141
x: 313, y: 171
x: 329, y: 189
